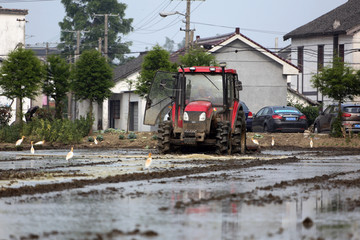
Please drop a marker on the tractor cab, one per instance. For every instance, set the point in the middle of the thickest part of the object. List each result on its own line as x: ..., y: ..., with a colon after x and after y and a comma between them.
x: 197, y: 106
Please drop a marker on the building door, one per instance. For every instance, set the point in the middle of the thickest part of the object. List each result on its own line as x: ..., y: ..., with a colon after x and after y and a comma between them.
x: 133, y: 126
x: 114, y: 112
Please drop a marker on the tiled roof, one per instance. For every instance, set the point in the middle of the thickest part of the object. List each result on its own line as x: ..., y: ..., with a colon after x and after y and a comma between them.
x: 13, y: 11
x: 129, y: 68
x: 338, y: 21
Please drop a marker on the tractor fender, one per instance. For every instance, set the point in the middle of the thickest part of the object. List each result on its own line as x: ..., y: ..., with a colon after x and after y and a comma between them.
x: 235, y: 114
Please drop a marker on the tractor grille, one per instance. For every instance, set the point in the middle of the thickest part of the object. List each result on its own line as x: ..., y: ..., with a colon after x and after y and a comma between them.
x: 194, y: 116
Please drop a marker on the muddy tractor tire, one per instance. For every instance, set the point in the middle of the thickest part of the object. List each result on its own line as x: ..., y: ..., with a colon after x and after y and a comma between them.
x: 164, y: 137
x: 222, y: 138
x: 239, y: 136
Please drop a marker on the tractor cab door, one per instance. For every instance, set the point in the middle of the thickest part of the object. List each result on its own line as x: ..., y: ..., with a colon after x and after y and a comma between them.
x: 162, y: 94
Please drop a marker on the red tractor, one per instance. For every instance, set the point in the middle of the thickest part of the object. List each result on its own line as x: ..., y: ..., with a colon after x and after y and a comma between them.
x: 197, y: 106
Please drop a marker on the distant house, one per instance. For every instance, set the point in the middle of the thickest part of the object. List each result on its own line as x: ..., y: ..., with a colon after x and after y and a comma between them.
x: 12, y: 36
x: 314, y: 45
x: 263, y: 74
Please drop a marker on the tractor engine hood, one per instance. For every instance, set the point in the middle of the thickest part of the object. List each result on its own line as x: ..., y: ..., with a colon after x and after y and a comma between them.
x: 199, y: 106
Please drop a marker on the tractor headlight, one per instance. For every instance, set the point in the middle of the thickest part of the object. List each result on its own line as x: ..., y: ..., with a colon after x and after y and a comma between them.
x: 202, y: 117
x: 186, y: 116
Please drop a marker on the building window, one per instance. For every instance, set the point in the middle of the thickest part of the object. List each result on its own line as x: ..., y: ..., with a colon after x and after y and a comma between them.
x: 115, y: 109
x: 342, y: 52
x: 300, y: 58
x: 320, y: 57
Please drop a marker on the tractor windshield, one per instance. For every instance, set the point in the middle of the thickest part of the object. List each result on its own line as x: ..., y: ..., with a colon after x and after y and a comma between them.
x: 205, y: 87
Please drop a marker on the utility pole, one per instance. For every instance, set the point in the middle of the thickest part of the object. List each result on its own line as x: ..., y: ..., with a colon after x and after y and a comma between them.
x: 106, y: 16
x: 77, y: 54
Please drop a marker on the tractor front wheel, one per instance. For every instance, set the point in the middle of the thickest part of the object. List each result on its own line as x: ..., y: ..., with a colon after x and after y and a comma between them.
x: 239, y: 135
x: 222, y: 138
x: 164, y: 136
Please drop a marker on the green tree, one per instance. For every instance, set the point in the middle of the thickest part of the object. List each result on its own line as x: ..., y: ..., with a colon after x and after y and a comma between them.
x: 158, y: 59
x: 92, y: 78
x: 197, y: 57
x: 80, y: 16
x: 21, y: 77
x: 56, y: 83
x: 339, y: 82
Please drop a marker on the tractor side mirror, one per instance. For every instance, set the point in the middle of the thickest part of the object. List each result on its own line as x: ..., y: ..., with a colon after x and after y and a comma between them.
x: 238, y: 85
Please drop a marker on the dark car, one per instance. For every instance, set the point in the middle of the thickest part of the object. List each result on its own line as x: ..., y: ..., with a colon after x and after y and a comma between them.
x: 249, y: 116
x: 279, y: 119
x: 350, y: 118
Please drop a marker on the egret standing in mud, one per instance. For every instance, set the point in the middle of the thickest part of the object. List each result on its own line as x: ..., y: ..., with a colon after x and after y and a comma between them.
x: 272, y: 141
x: 40, y: 142
x: 70, y: 154
x: 32, y: 150
x: 148, y: 162
x: 19, y: 142
x: 311, y: 142
x: 255, y: 141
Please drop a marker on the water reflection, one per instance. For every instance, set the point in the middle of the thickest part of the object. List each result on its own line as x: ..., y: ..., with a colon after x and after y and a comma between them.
x: 328, y: 210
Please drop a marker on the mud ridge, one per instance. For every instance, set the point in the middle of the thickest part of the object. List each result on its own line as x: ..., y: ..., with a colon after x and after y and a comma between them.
x: 216, y: 166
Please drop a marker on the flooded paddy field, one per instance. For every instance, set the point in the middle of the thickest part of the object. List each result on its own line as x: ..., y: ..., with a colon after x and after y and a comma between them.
x: 107, y: 194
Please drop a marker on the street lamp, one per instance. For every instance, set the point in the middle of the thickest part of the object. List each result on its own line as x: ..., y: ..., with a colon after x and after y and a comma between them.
x: 165, y: 14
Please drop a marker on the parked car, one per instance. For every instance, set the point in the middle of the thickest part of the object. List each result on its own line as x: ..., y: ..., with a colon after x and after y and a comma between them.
x: 350, y: 118
x: 279, y: 119
x: 249, y: 116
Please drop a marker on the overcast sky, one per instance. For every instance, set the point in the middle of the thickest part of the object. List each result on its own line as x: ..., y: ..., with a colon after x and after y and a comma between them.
x: 261, y: 20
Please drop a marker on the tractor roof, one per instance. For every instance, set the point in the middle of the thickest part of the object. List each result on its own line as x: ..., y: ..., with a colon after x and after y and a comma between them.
x: 206, y: 70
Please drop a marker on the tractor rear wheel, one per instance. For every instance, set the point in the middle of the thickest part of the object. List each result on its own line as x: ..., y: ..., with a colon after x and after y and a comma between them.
x: 164, y: 136
x: 239, y: 135
x: 222, y: 138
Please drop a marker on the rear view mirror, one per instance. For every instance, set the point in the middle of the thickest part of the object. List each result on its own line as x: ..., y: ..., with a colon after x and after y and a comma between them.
x: 238, y: 85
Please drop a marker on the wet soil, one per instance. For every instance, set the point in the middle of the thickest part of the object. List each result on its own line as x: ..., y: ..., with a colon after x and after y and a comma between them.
x: 147, y: 140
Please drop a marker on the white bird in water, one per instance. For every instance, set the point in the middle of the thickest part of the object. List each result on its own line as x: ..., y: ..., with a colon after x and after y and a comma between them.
x: 32, y: 150
x: 272, y: 141
x: 40, y: 142
x: 95, y: 140
x: 148, y: 161
x: 311, y: 142
x: 255, y: 141
x: 18, y: 142
x: 70, y: 154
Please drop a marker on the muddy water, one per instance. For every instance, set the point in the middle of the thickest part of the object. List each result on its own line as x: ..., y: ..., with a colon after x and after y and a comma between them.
x: 305, y: 199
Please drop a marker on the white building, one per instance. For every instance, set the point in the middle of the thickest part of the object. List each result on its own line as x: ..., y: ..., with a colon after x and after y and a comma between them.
x: 12, y: 35
x: 314, y: 45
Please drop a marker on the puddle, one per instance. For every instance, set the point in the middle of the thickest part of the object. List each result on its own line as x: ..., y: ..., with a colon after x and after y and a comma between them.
x: 234, y: 204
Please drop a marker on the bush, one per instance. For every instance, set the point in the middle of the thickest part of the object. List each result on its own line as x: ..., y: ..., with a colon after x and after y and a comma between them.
x: 10, y: 133
x: 59, y: 130
x: 100, y: 138
x: 132, y: 135
x: 121, y: 136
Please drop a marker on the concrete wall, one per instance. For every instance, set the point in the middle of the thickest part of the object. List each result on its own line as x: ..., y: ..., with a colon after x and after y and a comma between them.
x: 121, y: 92
x: 263, y: 81
x: 12, y: 33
